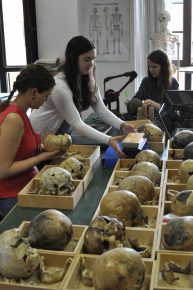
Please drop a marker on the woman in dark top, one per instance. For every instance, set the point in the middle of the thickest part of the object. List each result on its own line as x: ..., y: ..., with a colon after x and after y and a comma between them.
x: 159, y: 79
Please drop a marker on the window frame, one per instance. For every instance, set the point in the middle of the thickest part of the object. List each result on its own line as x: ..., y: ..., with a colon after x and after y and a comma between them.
x: 187, y: 11
x: 30, y: 30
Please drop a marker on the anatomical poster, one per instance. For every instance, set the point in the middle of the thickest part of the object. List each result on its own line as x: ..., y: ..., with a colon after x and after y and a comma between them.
x: 106, y: 23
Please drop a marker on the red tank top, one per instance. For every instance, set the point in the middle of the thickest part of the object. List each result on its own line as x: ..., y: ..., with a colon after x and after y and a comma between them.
x: 30, y: 142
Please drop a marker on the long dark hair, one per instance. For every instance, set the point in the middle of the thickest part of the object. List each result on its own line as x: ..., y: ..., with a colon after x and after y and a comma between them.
x: 31, y: 76
x: 163, y: 82
x: 81, y: 89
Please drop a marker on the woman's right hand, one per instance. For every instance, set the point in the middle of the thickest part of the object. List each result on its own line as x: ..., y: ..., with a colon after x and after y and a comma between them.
x: 45, y: 155
x: 114, y: 143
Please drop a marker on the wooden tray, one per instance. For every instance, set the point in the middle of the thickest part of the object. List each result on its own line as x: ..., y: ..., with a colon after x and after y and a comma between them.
x: 185, y: 282
x: 151, y: 212
x: 126, y: 165
x: 74, y: 245
x: 27, y: 199
x: 117, y: 176
x: 86, y: 178
x: 159, y: 244
x: 81, y: 152
x: 73, y: 280
x: 51, y: 260
x: 171, y: 177
x: 173, y: 164
x: 174, y: 154
x: 146, y: 237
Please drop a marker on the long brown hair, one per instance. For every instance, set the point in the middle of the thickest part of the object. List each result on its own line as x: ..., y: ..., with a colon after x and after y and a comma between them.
x: 163, y: 82
x: 31, y: 76
x: 82, y: 89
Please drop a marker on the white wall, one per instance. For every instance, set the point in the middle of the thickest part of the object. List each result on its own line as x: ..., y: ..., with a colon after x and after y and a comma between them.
x: 57, y: 22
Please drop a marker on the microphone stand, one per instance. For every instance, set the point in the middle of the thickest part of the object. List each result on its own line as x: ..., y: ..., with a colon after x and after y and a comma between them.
x: 113, y: 96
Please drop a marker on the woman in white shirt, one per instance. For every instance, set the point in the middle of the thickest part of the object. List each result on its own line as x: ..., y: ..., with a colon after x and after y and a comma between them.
x: 75, y: 91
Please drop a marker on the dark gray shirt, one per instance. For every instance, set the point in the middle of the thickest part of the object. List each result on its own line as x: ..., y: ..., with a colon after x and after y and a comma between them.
x: 143, y: 91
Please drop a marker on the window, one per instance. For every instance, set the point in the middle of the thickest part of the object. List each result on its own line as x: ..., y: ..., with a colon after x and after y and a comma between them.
x: 182, y: 25
x: 18, y: 39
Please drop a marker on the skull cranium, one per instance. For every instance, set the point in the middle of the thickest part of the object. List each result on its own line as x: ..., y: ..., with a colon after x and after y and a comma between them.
x: 51, y: 229
x: 123, y: 205
x: 74, y: 166
x: 56, y: 181
x: 18, y: 259
x: 119, y: 269
x: 104, y: 233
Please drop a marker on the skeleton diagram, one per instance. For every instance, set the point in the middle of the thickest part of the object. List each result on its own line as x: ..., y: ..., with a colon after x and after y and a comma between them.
x: 116, y: 29
x: 95, y: 28
x: 107, y: 29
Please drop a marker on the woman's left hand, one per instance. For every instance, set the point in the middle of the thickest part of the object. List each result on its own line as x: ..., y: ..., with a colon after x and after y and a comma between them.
x: 114, y: 143
x: 127, y: 128
x: 152, y: 103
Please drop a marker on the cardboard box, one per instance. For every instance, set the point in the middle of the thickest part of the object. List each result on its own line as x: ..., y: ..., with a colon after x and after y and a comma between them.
x: 52, y: 261
x: 74, y: 245
x: 133, y: 140
x: 27, y: 199
x: 73, y: 281
x: 184, y: 282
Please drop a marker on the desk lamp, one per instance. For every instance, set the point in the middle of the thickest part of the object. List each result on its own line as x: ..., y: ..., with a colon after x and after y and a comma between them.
x: 111, y: 96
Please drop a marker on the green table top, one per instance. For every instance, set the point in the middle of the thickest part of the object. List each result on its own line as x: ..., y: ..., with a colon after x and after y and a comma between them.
x: 84, y: 210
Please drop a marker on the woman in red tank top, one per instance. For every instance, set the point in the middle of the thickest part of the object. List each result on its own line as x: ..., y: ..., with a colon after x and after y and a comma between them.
x: 19, y: 144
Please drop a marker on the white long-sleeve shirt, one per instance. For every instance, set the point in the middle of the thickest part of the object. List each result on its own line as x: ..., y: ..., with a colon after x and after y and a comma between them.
x: 59, y: 106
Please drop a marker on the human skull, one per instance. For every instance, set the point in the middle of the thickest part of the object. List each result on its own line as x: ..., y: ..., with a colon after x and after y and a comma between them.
x: 189, y: 184
x: 178, y: 234
x: 152, y: 132
x: 104, y: 233
x: 17, y: 259
x: 150, y: 156
x: 74, y: 166
x: 51, y: 229
x: 140, y: 185
x: 185, y: 170
x: 164, y: 18
x: 181, y: 139
x: 182, y: 203
x: 123, y: 205
x: 119, y: 269
x: 188, y: 151
x: 133, y: 105
x: 56, y: 181
x: 57, y: 142
x: 148, y: 169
